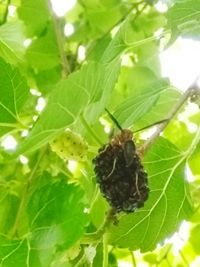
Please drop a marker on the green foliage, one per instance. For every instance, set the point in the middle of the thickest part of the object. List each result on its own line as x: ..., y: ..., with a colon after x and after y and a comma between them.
x: 35, y: 15
x: 51, y: 211
x: 183, y: 18
x: 14, y: 93
x: 11, y: 42
x: 43, y: 52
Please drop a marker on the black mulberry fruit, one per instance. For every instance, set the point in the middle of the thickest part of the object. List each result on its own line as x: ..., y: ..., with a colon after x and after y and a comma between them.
x: 120, y: 174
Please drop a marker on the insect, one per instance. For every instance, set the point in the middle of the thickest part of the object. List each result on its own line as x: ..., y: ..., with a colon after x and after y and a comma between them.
x: 120, y: 174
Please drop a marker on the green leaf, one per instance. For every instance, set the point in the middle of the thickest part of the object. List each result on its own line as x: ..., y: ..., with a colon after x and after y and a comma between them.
x: 43, y: 52
x: 47, y: 79
x: 14, y: 93
x: 167, y: 205
x: 143, y: 97
x: 35, y: 15
x: 184, y: 17
x: 11, y: 42
x: 177, y: 132
x: 132, y: 35
x: 56, y: 218
x: 98, y: 16
x: 148, y: 56
x: 159, y: 111
x: 88, y: 88
x: 98, y: 211
x: 8, y: 209
x: 13, y: 252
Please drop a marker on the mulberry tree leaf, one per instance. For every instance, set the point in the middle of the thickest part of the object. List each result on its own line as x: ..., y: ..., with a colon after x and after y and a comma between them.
x: 13, y: 252
x: 56, y: 219
x: 11, y: 42
x: 166, y: 99
x: 168, y: 202
x: 137, y: 105
x: 35, y: 15
x: 14, y: 92
x: 43, y: 52
x: 183, y: 18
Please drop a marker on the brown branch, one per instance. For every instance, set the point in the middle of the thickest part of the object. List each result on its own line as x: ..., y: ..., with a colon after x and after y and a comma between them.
x: 189, y: 92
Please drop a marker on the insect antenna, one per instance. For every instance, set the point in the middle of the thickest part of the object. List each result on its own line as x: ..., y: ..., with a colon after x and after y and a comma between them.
x: 114, y: 120
x: 151, y: 125
x: 141, y: 129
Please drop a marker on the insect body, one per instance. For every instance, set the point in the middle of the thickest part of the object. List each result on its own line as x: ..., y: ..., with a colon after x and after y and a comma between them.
x: 120, y: 174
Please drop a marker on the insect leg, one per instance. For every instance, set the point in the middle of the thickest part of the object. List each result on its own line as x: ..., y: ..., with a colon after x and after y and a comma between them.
x: 113, y: 168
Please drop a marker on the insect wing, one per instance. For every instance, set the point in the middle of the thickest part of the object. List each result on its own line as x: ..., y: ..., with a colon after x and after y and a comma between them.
x: 129, y: 152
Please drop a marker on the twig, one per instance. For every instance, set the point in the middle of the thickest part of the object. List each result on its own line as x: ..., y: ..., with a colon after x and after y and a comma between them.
x: 60, y: 41
x: 190, y: 91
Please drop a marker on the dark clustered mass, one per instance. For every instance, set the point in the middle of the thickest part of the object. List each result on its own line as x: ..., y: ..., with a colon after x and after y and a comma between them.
x: 120, y: 174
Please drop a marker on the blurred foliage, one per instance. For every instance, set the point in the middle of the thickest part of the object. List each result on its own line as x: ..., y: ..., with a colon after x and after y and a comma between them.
x: 50, y: 203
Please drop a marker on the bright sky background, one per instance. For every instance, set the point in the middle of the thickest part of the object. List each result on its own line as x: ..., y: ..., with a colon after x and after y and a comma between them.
x: 181, y: 62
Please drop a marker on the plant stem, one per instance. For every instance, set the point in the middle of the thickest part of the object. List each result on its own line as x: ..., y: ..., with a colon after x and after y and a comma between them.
x: 190, y: 91
x: 105, y: 250
x: 133, y: 259
x: 60, y: 41
x: 97, y: 236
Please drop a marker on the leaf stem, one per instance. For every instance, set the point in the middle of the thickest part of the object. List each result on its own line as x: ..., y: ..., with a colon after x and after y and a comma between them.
x: 97, y: 236
x: 60, y: 41
x: 133, y: 259
x: 190, y: 91
x: 105, y: 250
